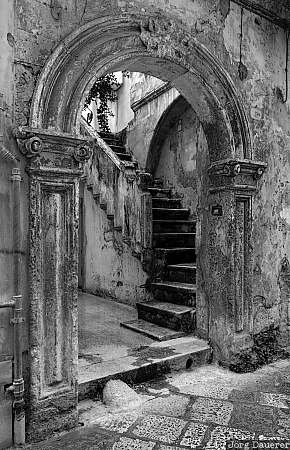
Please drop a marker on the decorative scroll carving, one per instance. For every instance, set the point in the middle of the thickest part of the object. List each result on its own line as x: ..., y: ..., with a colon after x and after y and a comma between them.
x: 82, y: 153
x: 236, y: 174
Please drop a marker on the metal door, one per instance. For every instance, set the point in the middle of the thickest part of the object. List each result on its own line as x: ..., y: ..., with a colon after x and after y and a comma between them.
x: 6, y: 352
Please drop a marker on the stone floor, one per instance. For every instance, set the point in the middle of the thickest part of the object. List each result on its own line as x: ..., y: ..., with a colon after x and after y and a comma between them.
x: 100, y: 336
x: 202, y: 408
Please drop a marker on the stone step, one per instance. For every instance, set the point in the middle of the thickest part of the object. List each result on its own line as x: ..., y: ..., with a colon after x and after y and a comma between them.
x: 152, y: 330
x: 169, y: 240
x: 184, y: 273
x: 171, y: 203
x: 178, y: 255
x: 174, y: 226
x: 159, y: 192
x: 118, y: 148
x: 175, y: 292
x: 124, y: 156
x: 170, y: 213
x: 169, y: 315
x: 145, y: 364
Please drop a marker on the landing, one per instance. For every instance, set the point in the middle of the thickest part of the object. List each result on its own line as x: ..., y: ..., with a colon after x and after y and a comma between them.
x: 100, y: 336
x: 107, y: 350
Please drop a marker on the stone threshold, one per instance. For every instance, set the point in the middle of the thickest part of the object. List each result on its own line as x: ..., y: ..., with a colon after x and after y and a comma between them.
x: 144, y: 363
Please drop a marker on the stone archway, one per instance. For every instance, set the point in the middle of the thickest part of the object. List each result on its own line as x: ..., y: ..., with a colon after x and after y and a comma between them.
x: 162, y: 48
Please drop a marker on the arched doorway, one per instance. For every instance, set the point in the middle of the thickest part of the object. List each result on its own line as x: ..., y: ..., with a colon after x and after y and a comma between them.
x: 162, y: 48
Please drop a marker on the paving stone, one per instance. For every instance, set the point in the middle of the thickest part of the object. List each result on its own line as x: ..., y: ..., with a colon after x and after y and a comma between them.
x: 168, y: 447
x: 203, y: 390
x: 118, y: 422
x: 284, y: 423
x: 194, y: 435
x: 160, y: 428
x: 174, y: 405
x: 276, y: 400
x: 133, y: 444
x: 210, y: 410
x: 221, y: 435
x: 254, y: 418
x: 243, y: 396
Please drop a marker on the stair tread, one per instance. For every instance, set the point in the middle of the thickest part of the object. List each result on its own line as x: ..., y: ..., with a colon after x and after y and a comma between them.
x: 174, y: 249
x: 178, y: 233
x: 182, y: 266
x: 175, y: 284
x: 170, y: 209
x: 169, y: 307
x: 152, y: 330
x: 173, y: 220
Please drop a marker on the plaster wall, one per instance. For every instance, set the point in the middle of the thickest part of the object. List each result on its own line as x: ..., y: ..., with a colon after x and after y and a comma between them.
x: 179, y: 160
x: 110, y: 269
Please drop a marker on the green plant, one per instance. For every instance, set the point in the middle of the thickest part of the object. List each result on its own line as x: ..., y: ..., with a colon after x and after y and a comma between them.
x: 101, y: 93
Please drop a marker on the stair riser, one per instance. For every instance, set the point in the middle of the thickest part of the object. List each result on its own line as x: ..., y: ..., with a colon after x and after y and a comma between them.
x: 173, y: 241
x: 173, y: 227
x: 124, y: 156
x: 166, y: 203
x: 176, y: 296
x: 181, y: 322
x: 178, y: 256
x: 181, y: 275
x: 168, y: 214
x: 117, y: 149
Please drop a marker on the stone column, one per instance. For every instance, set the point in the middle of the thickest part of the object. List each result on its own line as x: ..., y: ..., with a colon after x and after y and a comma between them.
x: 54, y: 167
x: 228, y: 255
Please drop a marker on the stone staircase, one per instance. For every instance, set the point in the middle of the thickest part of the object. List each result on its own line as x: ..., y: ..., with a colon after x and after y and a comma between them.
x: 115, y: 143
x: 172, y: 312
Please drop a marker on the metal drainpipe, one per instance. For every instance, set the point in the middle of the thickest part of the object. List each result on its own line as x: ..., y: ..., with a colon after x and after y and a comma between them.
x: 18, y: 383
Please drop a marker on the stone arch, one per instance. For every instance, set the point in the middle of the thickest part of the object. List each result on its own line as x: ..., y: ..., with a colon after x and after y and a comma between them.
x: 169, y: 116
x: 153, y: 45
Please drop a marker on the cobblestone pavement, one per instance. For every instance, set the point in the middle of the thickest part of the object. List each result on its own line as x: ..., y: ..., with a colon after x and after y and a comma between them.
x: 203, y: 408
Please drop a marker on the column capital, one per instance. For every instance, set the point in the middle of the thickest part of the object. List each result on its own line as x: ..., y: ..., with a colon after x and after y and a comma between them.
x: 235, y: 174
x: 53, y: 150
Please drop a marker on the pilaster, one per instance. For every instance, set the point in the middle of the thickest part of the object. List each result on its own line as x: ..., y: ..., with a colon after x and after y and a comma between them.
x: 55, y: 165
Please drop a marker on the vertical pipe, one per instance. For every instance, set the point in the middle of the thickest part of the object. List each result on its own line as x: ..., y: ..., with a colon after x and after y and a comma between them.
x: 16, y: 180
x: 18, y: 382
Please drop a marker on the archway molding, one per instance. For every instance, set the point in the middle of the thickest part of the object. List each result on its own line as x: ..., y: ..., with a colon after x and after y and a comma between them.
x: 153, y: 45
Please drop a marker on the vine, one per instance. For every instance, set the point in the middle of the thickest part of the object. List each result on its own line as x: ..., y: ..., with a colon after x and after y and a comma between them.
x: 101, y: 93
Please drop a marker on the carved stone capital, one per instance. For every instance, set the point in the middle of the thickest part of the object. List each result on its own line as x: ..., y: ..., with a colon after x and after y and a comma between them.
x: 236, y: 174
x: 52, y: 150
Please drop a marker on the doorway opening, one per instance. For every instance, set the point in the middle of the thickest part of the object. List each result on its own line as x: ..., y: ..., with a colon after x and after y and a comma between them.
x: 163, y: 137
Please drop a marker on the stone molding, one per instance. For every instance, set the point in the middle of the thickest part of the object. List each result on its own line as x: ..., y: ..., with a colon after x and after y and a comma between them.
x: 236, y: 174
